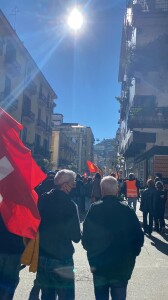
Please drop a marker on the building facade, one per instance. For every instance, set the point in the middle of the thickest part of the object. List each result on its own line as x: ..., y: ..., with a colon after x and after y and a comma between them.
x: 74, y: 145
x: 24, y: 92
x: 143, y: 74
x: 105, y: 155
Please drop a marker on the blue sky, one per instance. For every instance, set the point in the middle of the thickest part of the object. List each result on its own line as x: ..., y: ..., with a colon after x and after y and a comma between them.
x: 81, y: 68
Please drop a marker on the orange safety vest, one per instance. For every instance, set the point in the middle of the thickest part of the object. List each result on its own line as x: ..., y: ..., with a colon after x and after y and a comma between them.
x: 131, y: 190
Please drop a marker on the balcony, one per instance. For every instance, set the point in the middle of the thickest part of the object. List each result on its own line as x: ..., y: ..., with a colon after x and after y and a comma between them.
x: 31, y: 88
x: 48, y: 128
x: 13, y: 106
x: 38, y: 150
x: 136, y: 143
x: 12, y: 66
x: 156, y: 117
x: 42, y: 99
x: 50, y: 106
x: 28, y: 115
x: 41, y: 152
x: 150, y: 6
x: 8, y: 103
x: 144, y: 101
x: 41, y: 125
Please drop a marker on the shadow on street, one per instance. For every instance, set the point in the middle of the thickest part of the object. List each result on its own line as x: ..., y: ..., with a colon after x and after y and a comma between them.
x: 158, y: 244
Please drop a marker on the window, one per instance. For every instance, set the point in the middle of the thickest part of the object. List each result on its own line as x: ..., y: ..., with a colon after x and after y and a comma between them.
x: 47, y: 121
x: 1, y: 46
x: 162, y: 5
x: 37, y: 141
x: 24, y: 134
x: 27, y: 104
x: 45, y: 145
x: 28, y: 72
x: 39, y: 114
x: 41, y: 89
x: 7, y: 89
x: 10, y: 55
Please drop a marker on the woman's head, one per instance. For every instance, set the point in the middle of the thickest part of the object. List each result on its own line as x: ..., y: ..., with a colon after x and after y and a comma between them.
x: 159, y: 185
x: 97, y: 175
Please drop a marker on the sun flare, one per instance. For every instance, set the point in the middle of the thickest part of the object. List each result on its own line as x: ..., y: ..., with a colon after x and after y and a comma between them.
x: 75, y: 19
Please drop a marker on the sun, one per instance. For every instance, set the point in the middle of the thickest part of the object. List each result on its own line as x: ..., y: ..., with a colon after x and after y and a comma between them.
x: 75, y: 20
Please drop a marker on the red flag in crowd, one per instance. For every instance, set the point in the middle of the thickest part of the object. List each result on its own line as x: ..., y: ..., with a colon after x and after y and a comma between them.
x: 93, y: 168
x: 19, y: 175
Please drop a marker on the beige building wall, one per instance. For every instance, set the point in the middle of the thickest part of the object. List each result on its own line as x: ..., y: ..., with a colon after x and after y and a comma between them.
x: 24, y: 92
x: 55, y: 149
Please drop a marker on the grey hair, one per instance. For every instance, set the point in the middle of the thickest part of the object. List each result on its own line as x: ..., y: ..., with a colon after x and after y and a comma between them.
x: 109, y: 186
x: 131, y: 176
x: 64, y: 176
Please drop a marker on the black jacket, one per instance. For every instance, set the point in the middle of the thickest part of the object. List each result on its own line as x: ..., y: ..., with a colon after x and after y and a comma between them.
x: 112, y: 237
x: 59, y: 225
x: 147, y: 200
x: 10, y: 243
x: 159, y: 203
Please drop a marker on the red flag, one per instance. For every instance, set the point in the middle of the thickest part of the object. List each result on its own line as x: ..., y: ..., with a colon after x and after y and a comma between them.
x: 19, y: 175
x: 92, y: 167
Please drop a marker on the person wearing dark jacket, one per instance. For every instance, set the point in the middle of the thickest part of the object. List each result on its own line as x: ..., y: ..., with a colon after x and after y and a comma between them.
x: 96, y: 190
x: 47, y: 184
x: 147, y: 206
x: 112, y: 237
x: 59, y: 227
x: 159, y: 207
x: 11, y: 248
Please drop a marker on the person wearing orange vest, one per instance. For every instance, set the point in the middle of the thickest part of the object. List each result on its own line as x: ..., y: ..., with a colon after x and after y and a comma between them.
x: 131, y: 190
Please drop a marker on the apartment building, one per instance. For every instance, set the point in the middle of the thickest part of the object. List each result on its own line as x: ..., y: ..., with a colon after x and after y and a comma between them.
x: 74, y: 145
x: 24, y: 92
x: 143, y: 74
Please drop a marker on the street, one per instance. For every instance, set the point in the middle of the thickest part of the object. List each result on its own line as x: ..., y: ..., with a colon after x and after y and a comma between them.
x: 149, y: 279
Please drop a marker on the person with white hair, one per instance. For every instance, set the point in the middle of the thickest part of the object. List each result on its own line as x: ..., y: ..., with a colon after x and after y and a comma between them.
x: 59, y: 227
x: 112, y: 237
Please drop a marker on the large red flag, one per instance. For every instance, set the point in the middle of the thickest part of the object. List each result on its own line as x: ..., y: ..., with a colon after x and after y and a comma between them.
x: 92, y: 167
x: 19, y: 175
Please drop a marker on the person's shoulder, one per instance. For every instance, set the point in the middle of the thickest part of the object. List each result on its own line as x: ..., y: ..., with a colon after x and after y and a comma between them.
x: 124, y: 205
x: 145, y: 191
x: 96, y: 204
x: 126, y: 208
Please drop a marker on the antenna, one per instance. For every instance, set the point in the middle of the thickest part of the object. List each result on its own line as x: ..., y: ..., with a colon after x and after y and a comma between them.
x: 14, y: 13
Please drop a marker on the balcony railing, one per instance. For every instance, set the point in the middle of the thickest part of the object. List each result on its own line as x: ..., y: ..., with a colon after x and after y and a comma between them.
x: 150, y: 5
x: 48, y: 128
x: 42, y: 152
x: 50, y: 106
x: 28, y: 115
x: 13, y: 106
x: 41, y: 124
x: 42, y: 99
x: 8, y: 102
x: 38, y: 150
x: 148, y: 118
x: 31, y: 88
x: 12, y: 67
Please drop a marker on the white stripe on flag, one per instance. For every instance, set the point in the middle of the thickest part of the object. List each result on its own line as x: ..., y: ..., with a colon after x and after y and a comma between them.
x: 5, y: 167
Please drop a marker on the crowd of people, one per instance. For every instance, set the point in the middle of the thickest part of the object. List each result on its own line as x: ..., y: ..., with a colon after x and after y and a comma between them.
x: 110, y: 225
